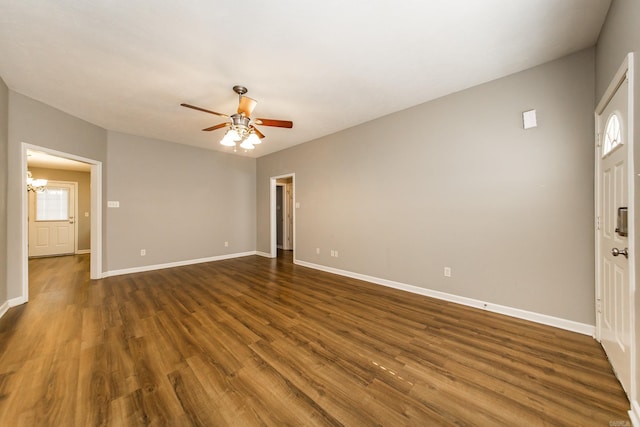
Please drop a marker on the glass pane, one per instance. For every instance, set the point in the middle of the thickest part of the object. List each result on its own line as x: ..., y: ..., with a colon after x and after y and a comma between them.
x: 52, y: 204
x: 612, y: 135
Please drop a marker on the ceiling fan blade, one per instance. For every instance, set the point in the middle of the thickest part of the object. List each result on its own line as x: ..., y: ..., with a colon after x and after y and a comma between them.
x: 246, y: 105
x: 204, y: 110
x: 276, y: 123
x: 257, y: 131
x: 221, y: 125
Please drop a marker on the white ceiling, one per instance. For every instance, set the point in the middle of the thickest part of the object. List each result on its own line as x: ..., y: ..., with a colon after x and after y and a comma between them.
x: 327, y: 66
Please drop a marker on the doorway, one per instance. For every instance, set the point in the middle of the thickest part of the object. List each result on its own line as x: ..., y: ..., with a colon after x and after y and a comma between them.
x: 615, y: 231
x: 91, y: 213
x: 282, y: 213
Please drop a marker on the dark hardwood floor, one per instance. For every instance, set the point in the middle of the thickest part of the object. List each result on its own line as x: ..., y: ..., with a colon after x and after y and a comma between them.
x: 255, y: 341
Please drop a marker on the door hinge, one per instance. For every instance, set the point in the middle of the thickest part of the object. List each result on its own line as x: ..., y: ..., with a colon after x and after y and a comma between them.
x: 598, y: 306
x: 598, y: 223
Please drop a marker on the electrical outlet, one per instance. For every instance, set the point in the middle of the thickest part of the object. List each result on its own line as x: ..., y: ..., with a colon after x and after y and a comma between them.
x: 333, y: 253
x: 318, y: 251
x: 447, y: 272
x: 143, y: 252
x: 226, y: 244
x: 336, y: 254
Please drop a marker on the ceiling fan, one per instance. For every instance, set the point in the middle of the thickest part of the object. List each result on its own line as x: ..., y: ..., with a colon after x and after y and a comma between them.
x: 242, y: 126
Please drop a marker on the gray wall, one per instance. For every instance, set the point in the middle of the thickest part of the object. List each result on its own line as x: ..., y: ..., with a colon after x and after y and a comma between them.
x: 620, y: 35
x: 4, y: 133
x: 84, y: 198
x: 457, y: 182
x: 36, y: 123
x: 177, y: 202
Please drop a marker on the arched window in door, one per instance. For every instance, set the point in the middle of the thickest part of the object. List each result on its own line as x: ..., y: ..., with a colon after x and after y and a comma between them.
x: 612, y: 135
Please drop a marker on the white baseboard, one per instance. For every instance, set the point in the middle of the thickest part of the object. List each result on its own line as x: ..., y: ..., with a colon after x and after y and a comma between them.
x: 544, y: 319
x: 174, y: 264
x: 13, y: 302
x: 4, y: 308
x: 634, y: 413
x: 83, y: 251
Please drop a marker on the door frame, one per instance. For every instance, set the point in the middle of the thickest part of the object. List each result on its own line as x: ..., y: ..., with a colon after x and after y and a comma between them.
x: 287, y: 241
x: 75, y: 212
x: 96, y: 213
x: 626, y: 71
x: 272, y: 214
x: 282, y: 187
x: 287, y: 209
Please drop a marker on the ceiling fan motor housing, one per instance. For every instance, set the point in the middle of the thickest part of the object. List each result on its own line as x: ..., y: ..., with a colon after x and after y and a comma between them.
x: 240, y: 120
x: 240, y: 123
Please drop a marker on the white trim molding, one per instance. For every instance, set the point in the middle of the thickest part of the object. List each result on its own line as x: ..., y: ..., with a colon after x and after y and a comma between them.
x: 264, y: 254
x: 544, y: 319
x: 13, y: 302
x: 272, y: 212
x: 175, y: 264
x: 634, y: 413
x: 83, y: 251
x: 4, y: 308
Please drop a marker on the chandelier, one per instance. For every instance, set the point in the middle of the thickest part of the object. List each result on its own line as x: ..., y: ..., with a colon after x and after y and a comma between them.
x: 35, y: 185
x: 242, y: 132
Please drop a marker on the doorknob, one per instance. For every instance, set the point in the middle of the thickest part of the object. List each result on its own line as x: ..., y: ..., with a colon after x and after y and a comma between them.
x: 616, y: 252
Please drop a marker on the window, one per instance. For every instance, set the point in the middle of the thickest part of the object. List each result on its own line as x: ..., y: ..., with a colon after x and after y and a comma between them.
x: 612, y: 135
x: 52, y: 204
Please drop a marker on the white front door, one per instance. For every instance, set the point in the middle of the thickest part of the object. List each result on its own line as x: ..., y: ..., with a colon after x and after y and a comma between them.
x: 614, y: 291
x: 52, y: 220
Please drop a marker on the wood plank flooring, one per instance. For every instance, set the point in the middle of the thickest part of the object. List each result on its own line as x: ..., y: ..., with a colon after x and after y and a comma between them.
x: 254, y: 341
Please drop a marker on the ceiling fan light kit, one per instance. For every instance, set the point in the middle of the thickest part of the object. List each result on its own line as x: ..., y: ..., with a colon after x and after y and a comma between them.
x: 243, y: 129
x: 230, y: 138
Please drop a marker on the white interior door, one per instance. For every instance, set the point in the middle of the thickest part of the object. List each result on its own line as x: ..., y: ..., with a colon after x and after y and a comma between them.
x: 614, y: 290
x: 52, y: 220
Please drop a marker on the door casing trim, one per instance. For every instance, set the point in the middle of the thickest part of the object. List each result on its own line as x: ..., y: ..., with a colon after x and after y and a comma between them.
x: 96, y: 214
x: 273, y: 250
